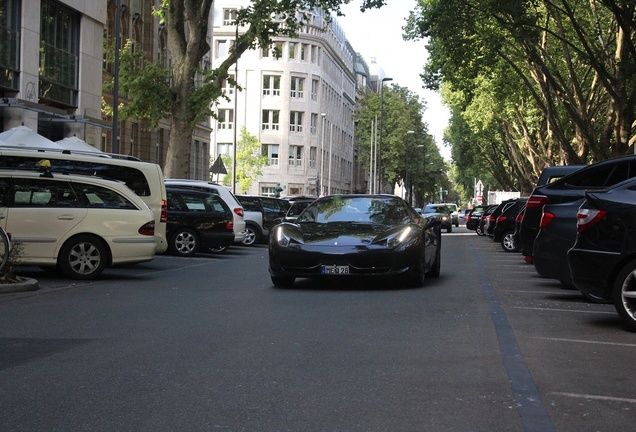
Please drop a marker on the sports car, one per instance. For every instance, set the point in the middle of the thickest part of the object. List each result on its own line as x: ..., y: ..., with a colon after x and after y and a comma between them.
x: 341, y: 236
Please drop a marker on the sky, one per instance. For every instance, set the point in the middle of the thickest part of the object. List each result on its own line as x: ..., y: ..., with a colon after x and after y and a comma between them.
x: 378, y: 33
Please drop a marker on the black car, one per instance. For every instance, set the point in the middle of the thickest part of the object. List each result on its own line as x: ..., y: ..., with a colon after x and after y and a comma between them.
x: 344, y: 236
x: 197, y: 221
x: 474, y: 216
x: 484, y: 219
x: 297, y: 207
x: 557, y: 233
x: 571, y: 187
x: 441, y: 212
x: 505, y: 224
x: 261, y: 214
x: 603, y: 259
x: 489, y: 226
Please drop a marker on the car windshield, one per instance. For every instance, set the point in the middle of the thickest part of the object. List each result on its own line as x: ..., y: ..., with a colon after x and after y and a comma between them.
x: 297, y: 208
x: 435, y: 209
x: 375, y: 210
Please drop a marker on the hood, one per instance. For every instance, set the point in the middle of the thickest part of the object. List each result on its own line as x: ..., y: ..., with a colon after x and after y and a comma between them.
x: 341, y: 233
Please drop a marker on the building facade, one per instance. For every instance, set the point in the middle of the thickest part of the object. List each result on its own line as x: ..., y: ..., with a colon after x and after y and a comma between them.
x: 300, y: 106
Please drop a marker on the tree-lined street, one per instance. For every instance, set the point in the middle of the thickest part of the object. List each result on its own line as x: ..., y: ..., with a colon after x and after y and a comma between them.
x: 208, y: 344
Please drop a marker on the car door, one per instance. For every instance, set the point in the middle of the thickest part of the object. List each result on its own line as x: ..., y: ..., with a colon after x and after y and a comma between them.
x: 40, y: 214
x: 273, y: 212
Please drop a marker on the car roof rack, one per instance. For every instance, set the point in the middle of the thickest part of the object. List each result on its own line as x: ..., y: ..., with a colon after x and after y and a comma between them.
x: 67, y: 151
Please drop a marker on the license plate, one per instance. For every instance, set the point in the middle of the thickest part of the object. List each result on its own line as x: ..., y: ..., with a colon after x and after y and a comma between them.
x: 335, y: 270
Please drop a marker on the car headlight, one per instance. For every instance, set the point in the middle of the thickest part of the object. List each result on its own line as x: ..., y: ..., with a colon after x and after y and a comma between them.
x: 281, y: 238
x: 400, y: 239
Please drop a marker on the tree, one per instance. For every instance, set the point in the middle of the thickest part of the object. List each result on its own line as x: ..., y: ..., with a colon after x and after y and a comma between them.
x: 249, y: 160
x: 180, y: 99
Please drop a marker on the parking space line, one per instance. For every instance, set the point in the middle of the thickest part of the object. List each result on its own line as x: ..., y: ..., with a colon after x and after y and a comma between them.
x: 564, y: 310
x: 596, y: 397
x: 587, y: 341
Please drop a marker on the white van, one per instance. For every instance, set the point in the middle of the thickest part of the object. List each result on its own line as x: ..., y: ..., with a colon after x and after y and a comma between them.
x: 143, y: 178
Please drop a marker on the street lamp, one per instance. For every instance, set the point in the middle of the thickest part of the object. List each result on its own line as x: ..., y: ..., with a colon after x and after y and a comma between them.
x: 406, y: 166
x: 380, y: 140
x: 322, y: 146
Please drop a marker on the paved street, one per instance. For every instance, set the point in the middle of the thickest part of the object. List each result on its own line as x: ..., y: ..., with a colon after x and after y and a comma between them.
x: 207, y: 344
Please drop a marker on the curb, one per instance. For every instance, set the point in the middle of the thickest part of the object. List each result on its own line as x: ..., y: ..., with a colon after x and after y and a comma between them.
x: 25, y: 284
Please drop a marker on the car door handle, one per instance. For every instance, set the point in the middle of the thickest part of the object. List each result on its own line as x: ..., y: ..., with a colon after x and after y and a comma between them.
x: 66, y: 217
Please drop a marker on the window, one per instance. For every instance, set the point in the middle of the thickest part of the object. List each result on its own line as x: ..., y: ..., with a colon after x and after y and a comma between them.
x: 271, y: 120
x: 224, y: 149
x: 270, y: 151
x: 297, y: 87
x: 295, y: 121
x: 292, y: 50
x: 314, y: 89
x: 303, y: 52
x: 313, y: 151
x: 221, y: 48
x: 10, y: 46
x: 59, y: 54
x: 314, y: 123
x: 271, y: 85
x: 226, y: 86
x: 225, y: 119
x: 295, y: 156
x: 100, y: 197
x: 229, y: 17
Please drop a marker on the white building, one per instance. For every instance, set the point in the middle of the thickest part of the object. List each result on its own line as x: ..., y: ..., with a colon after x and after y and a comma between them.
x: 300, y: 106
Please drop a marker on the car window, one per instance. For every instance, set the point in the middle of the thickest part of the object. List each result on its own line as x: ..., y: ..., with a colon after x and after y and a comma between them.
x: 383, y: 211
x: 250, y: 204
x: 101, y: 197
x: 43, y: 193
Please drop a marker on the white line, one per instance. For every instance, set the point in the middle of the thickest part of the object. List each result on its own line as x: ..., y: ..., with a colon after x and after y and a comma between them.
x: 586, y: 341
x: 563, y: 310
x: 603, y: 398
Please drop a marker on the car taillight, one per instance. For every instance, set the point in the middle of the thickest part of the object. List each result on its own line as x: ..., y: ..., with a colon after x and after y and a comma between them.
x: 501, y: 219
x: 491, y: 218
x: 546, y: 219
x: 519, y: 218
x: 536, y: 201
x: 229, y: 226
x: 164, y: 211
x: 587, y: 218
x: 239, y: 211
x: 147, y: 229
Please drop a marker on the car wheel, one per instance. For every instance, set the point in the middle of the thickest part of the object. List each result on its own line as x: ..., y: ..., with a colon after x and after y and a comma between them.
x: 508, y: 242
x: 218, y: 249
x: 184, y: 242
x: 415, y: 278
x: 479, y: 230
x: 624, y: 295
x: 283, y: 281
x: 83, y: 257
x: 449, y: 229
x: 250, y: 236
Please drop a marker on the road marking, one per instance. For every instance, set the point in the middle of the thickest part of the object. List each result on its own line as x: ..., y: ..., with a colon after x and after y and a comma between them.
x: 564, y: 310
x: 530, y: 407
x: 596, y: 397
x: 587, y: 341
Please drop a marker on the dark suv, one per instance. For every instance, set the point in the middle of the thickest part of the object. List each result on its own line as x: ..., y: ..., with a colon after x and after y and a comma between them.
x: 261, y: 215
x: 505, y: 224
x: 568, y: 188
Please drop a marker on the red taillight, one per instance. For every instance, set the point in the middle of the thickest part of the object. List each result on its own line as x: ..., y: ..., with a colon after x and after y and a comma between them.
x: 587, y: 218
x: 536, y: 201
x: 164, y: 211
x: 491, y: 218
x: 501, y: 219
x: 147, y: 229
x: 229, y: 226
x: 239, y: 211
x: 519, y: 218
x: 546, y: 219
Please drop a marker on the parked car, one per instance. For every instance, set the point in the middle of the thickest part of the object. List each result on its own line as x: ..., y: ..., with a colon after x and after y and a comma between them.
x: 198, y: 221
x: 518, y: 219
x: 484, y: 220
x: 463, y: 216
x: 603, y: 259
x: 474, y: 216
x: 571, y: 187
x: 454, y: 213
x: 504, y: 230
x: 356, y: 236
x: 489, y: 227
x: 76, y: 224
x: 557, y: 234
x: 440, y: 211
x: 143, y: 178
x: 226, y: 195
x: 261, y: 214
x: 296, y: 209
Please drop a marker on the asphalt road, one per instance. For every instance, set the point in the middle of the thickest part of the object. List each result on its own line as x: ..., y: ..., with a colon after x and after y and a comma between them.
x: 207, y: 344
